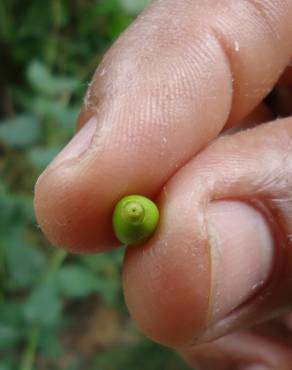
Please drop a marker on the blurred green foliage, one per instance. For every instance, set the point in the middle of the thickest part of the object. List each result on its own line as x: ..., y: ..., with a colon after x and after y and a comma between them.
x: 57, y: 311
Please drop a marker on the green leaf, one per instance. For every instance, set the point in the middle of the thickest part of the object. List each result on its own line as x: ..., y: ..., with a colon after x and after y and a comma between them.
x: 42, y: 80
x: 25, y: 205
x: 10, y: 324
x: 21, y: 131
x: 40, y: 157
x: 106, y: 268
x: 49, y: 346
x: 9, y: 335
x: 106, y: 264
x: 65, y: 116
x: 134, y: 6
x: 5, y: 366
x: 77, y: 281
x: 7, y: 211
x: 44, y: 305
x: 25, y: 263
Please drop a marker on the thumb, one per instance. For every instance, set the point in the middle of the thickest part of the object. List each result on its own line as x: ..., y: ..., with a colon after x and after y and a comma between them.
x: 150, y: 109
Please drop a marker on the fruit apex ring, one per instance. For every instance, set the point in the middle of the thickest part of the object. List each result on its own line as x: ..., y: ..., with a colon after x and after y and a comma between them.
x: 135, y: 219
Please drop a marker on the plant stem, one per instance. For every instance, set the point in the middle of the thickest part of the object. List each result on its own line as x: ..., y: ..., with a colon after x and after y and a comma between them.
x: 33, y: 338
x: 29, y: 354
x: 5, y: 25
x: 54, y: 263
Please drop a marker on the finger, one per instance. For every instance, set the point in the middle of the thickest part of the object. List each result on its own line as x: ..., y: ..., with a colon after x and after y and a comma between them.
x: 245, y: 350
x: 150, y: 109
x: 260, y: 114
x: 281, y: 101
x: 286, y: 78
x: 221, y: 259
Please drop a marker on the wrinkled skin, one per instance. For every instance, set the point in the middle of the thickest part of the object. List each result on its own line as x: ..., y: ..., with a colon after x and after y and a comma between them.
x: 175, y: 112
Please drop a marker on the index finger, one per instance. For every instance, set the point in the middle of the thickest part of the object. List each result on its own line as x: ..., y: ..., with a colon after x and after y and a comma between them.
x: 166, y: 88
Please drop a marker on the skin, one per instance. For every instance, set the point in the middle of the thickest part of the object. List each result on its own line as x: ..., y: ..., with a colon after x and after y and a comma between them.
x: 168, y: 115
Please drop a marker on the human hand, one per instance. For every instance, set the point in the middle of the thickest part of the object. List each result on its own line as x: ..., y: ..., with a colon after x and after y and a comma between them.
x: 219, y: 267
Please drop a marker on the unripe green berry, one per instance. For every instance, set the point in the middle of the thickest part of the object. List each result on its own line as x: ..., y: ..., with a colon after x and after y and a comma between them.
x: 135, y: 219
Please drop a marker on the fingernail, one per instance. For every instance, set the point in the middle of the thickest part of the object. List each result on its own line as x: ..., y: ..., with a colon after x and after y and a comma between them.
x: 78, y: 144
x: 242, y: 255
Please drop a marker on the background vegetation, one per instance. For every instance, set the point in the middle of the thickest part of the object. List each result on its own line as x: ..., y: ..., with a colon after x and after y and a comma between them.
x: 57, y: 311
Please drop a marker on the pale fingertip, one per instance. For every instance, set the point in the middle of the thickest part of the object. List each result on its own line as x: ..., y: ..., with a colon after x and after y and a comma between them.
x: 242, y: 255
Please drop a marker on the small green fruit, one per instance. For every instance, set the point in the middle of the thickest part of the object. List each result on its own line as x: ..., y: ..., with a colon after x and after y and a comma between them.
x: 135, y: 219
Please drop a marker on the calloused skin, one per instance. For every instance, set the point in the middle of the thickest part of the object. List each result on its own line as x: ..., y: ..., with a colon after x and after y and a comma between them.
x: 175, y: 112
